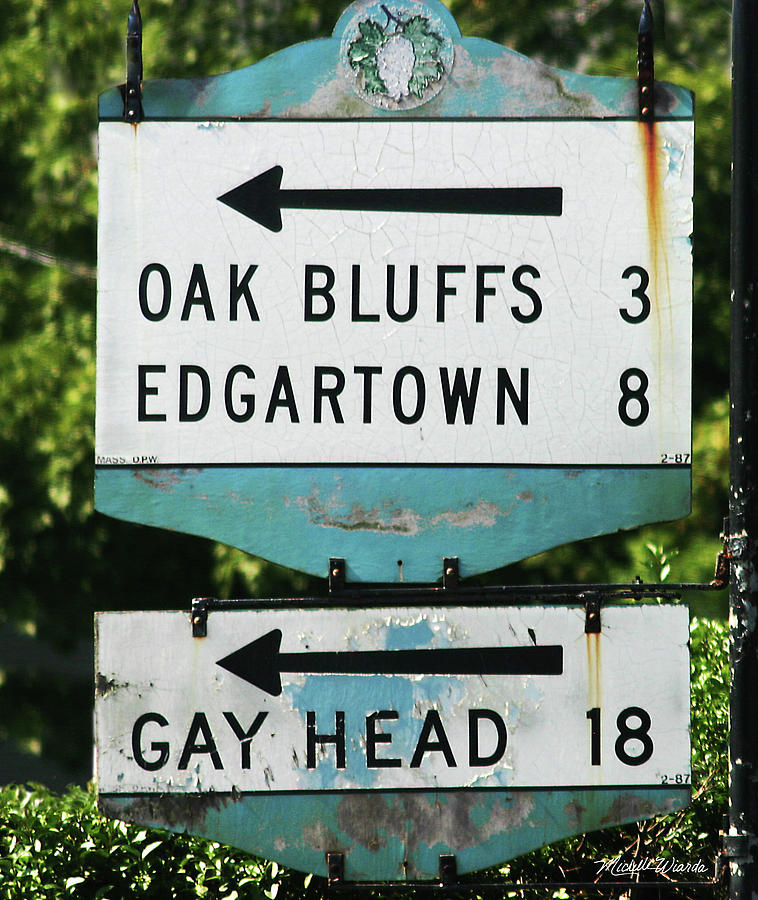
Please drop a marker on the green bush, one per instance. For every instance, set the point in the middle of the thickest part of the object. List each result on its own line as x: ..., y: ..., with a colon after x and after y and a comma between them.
x: 59, y: 846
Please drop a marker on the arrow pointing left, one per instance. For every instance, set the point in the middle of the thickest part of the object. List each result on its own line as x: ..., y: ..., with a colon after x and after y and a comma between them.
x: 261, y: 663
x: 262, y: 199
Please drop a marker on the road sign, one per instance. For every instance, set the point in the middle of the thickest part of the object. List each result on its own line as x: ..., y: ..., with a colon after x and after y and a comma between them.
x: 389, y: 709
x: 393, y: 338
x: 380, y: 325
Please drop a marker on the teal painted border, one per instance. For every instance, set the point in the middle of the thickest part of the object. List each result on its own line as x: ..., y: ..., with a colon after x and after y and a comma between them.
x: 487, y: 517
x: 487, y: 81
x: 300, y: 517
x: 377, y: 832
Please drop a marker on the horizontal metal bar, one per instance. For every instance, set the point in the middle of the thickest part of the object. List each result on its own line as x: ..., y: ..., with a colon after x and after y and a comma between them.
x: 372, y: 595
x: 503, y: 886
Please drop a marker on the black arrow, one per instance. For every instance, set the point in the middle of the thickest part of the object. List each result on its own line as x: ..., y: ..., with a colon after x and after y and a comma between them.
x: 262, y: 199
x: 261, y: 663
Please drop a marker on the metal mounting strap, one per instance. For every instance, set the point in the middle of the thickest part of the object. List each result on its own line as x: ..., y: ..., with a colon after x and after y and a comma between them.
x: 199, y: 616
x: 450, y: 573
x: 133, y: 88
x: 592, y: 623
x: 337, y: 576
x: 448, y: 870
x: 335, y: 866
x: 737, y: 846
x: 646, y: 64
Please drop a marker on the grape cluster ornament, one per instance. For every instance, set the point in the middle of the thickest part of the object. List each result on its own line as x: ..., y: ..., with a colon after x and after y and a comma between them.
x: 399, y: 58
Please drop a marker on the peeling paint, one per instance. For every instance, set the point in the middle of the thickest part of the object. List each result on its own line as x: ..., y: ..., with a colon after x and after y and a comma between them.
x: 385, y: 518
x: 391, y: 519
x: 373, y: 822
x: 629, y: 807
x: 481, y: 514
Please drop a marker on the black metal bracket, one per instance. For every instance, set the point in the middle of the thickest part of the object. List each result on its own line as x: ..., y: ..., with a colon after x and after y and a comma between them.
x: 737, y: 846
x: 133, y: 111
x: 448, y: 870
x: 646, y: 64
x: 450, y: 573
x: 592, y: 623
x: 199, y: 616
x: 337, y: 574
x: 335, y: 867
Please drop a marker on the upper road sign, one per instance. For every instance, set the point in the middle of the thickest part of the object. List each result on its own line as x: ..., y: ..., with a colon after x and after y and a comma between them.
x: 301, y: 322
x: 368, y: 720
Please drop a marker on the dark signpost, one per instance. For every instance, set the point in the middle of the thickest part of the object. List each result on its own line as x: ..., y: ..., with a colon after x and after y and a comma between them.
x: 397, y: 305
x: 742, y: 837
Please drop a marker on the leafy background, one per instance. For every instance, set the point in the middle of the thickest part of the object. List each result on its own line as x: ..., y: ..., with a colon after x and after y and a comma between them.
x: 59, y: 560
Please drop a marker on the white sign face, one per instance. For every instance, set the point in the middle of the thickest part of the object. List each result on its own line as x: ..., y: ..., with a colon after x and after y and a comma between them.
x: 366, y: 292
x: 392, y: 699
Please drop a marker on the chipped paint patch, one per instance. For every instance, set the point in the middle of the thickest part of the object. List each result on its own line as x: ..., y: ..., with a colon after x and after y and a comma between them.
x: 482, y: 514
x: 383, y: 518
x: 389, y: 518
x: 184, y: 812
x: 164, y: 479
x: 105, y: 686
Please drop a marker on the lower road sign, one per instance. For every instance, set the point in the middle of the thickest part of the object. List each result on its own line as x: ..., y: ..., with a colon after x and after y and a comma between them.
x: 406, y: 718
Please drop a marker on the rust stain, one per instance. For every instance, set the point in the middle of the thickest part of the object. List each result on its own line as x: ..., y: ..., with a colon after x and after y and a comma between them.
x: 594, y: 670
x: 659, y: 289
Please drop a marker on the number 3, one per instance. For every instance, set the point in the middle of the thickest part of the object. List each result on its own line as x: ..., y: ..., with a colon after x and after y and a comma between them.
x: 639, y: 293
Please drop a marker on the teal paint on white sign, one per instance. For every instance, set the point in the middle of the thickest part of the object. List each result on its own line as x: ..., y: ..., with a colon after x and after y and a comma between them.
x: 393, y: 735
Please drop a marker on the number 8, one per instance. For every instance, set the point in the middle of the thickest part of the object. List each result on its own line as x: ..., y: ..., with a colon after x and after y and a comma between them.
x: 628, y: 394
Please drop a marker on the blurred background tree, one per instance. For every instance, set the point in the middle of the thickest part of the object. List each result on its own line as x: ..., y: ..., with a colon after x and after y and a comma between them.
x: 59, y: 560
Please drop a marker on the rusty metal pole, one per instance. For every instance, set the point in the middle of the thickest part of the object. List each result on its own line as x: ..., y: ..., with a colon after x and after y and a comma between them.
x: 741, y: 842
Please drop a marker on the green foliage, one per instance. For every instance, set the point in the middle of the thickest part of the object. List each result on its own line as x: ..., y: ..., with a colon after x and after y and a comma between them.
x: 56, y: 847
x: 426, y: 45
x: 427, y: 67
x: 362, y: 55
